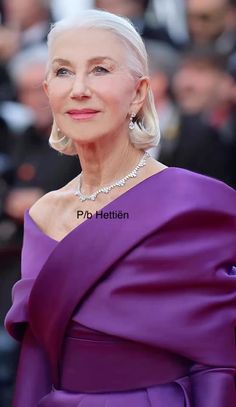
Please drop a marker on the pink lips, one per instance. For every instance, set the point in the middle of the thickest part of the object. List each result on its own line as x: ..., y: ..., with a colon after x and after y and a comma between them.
x: 82, y: 113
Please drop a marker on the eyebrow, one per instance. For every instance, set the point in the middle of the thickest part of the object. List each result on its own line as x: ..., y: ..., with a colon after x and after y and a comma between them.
x: 93, y: 60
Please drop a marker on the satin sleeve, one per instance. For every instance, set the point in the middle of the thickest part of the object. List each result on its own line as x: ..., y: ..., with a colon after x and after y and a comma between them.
x: 202, y: 306
x: 35, y: 250
x: 33, y: 380
x: 33, y: 373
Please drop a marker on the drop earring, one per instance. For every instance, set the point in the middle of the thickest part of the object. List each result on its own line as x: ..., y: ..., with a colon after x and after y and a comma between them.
x: 131, y: 122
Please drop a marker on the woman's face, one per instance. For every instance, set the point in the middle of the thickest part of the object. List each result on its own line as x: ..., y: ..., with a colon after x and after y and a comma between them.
x: 90, y: 89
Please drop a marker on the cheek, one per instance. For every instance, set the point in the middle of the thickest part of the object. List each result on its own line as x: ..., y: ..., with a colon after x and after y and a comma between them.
x: 207, y: 85
x: 57, y: 94
x: 56, y: 101
x: 115, y: 93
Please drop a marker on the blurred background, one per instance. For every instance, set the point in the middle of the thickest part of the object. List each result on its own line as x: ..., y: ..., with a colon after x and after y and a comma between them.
x: 192, y: 57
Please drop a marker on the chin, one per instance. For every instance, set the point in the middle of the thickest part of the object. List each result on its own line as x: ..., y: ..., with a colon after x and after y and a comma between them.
x: 86, y: 139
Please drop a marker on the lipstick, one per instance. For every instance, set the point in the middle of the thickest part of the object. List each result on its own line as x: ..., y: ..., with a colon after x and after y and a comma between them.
x: 81, y: 114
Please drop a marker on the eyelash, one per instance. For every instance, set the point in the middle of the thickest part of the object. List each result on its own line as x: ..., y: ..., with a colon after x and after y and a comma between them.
x: 101, y: 67
x: 104, y: 70
x: 59, y: 70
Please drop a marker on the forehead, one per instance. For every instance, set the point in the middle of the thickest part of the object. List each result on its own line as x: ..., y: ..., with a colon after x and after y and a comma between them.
x: 200, y: 67
x: 85, y: 43
x: 203, y: 5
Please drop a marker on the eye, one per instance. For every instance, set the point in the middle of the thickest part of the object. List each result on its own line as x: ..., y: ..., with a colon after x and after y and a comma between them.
x: 100, y: 70
x: 62, y: 72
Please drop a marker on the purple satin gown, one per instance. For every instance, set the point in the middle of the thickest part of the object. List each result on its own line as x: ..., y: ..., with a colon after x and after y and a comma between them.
x: 137, y: 312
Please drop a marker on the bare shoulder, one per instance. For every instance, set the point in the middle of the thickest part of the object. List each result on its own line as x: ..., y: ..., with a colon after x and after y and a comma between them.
x: 40, y: 211
x: 50, y: 203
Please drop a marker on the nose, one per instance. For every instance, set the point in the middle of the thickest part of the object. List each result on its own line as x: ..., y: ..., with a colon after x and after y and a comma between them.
x: 80, y: 88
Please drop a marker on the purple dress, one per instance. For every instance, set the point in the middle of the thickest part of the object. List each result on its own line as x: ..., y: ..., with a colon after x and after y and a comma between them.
x: 137, y: 312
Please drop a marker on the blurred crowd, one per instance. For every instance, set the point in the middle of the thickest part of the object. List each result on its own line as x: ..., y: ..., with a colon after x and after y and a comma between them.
x: 192, y: 57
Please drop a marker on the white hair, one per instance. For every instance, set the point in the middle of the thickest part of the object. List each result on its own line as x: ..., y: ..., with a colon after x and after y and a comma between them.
x: 146, y: 132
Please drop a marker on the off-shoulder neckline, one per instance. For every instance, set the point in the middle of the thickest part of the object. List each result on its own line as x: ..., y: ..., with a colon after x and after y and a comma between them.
x: 131, y: 190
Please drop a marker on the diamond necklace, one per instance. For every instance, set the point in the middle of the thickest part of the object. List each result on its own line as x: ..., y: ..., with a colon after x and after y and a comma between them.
x: 120, y: 183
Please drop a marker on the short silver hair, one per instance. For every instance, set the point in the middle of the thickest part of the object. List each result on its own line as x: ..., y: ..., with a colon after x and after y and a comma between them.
x: 146, y: 132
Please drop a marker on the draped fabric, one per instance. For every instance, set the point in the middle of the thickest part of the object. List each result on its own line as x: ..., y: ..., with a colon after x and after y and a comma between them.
x: 132, y: 312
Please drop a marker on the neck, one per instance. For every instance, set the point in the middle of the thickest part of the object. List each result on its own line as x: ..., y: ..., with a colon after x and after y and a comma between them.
x: 103, y: 164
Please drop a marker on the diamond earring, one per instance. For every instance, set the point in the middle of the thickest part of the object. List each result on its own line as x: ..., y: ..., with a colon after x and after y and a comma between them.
x: 131, y: 122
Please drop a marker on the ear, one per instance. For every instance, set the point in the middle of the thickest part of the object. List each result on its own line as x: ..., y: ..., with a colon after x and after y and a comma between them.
x: 45, y: 87
x: 140, y: 94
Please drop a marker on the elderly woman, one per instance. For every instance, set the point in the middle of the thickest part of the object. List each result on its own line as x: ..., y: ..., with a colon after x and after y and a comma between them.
x: 128, y: 291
